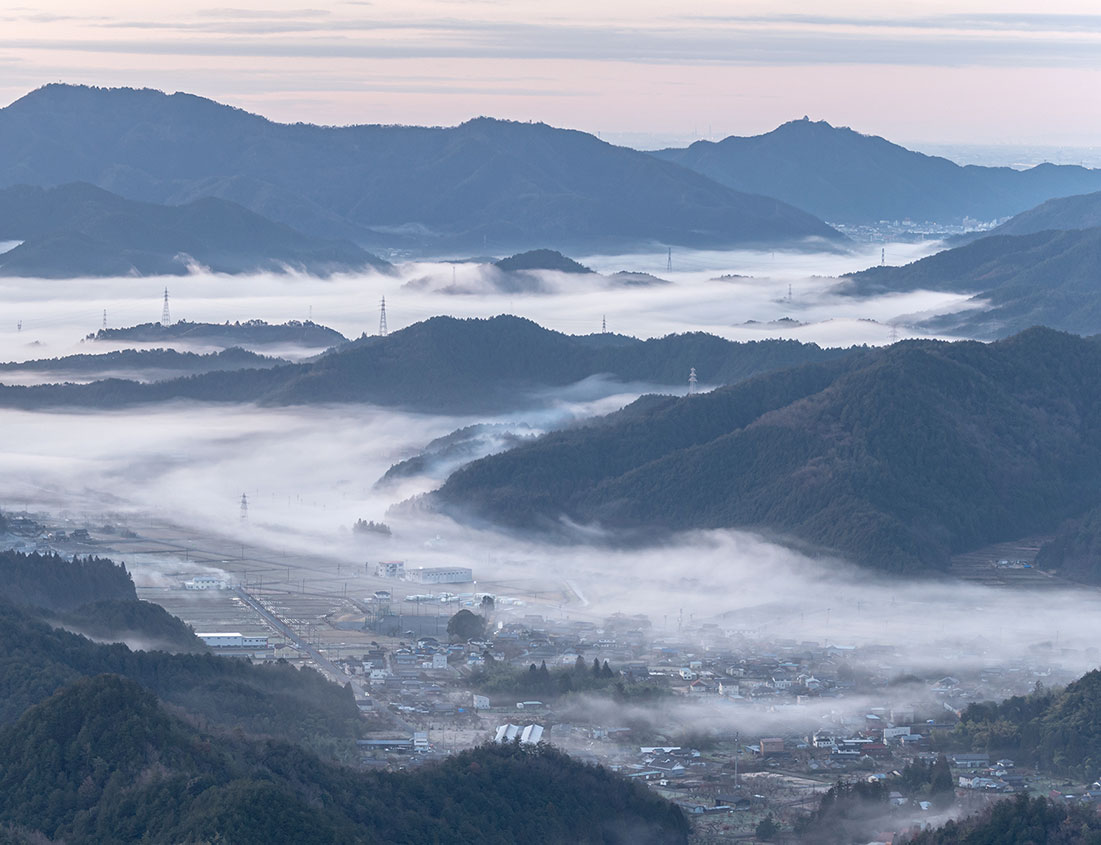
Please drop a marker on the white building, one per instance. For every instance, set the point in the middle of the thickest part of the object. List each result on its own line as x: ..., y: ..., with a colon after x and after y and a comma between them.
x: 233, y: 640
x: 390, y: 569
x: 529, y: 735
x: 205, y: 582
x: 441, y: 575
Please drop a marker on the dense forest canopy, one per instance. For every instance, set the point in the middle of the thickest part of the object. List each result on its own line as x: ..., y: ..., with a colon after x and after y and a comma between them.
x: 896, y: 458
x: 102, y: 762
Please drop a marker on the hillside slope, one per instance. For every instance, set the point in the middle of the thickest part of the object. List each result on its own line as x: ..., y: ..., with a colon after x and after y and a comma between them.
x: 1082, y: 211
x: 1050, y: 278
x: 102, y: 762
x: 894, y: 458
x: 77, y: 230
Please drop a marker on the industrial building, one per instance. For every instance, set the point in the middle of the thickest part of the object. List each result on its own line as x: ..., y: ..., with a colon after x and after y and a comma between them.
x: 205, y: 582
x: 441, y: 575
x: 233, y: 640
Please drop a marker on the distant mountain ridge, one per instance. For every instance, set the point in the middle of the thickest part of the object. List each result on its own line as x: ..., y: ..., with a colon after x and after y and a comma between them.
x: 894, y: 458
x: 447, y: 365
x: 77, y: 229
x: 843, y: 176
x: 486, y: 184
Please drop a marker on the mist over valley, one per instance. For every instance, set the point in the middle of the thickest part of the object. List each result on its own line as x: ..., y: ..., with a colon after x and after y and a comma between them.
x: 377, y: 479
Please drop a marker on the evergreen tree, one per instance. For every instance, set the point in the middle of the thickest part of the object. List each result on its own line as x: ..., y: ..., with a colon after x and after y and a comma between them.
x: 942, y: 788
x: 766, y: 829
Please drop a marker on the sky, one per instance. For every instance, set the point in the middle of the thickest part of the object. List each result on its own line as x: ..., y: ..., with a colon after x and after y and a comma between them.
x: 638, y: 72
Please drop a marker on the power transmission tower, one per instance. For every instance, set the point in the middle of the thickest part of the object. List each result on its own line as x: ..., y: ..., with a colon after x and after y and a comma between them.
x: 244, y: 508
x: 691, y: 380
x: 669, y: 260
x: 104, y: 318
x: 166, y: 318
x: 604, y: 324
x: 382, y: 319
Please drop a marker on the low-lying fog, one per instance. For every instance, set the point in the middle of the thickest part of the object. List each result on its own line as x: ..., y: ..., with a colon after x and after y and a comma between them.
x: 57, y: 314
x: 309, y: 473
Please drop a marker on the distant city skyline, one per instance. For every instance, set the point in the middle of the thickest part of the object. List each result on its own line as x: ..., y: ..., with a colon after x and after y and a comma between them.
x: 968, y: 72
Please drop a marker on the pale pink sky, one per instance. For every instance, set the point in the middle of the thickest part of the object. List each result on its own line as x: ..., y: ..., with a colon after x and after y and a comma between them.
x: 967, y: 71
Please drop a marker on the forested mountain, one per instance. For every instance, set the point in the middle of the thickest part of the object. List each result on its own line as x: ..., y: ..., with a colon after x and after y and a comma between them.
x: 253, y: 332
x: 142, y: 363
x: 269, y: 700
x: 454, y: 449
x: 450, y: 365
x: 56, y: 583
x: 895, y: 458
x: 487, y: 185
x: 1019, y: 821
x: 541, y: 259
x: 97, y: 596
x: 1075, y: 212
x: 1055, y: 730
x: 101, y: 762
x: 148, y: 626
x: 1075, y: 550
x: 845, y: 177
x: 1050, y: 278
x: 77, y: 230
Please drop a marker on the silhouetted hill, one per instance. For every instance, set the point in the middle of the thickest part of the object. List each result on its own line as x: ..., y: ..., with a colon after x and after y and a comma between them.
x: 1050, y: 278
x: 846, y: 177
x: 895, y: 458
x: 101, y: 762
x: 143, y: 363
x: 255, y: 332
x: 450, y: 365
x: 80, y: 230
x: 1076, y: 212
x: 487, y: 184
x: 541, y: 259
x: 541, y: 271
